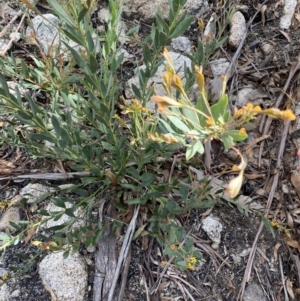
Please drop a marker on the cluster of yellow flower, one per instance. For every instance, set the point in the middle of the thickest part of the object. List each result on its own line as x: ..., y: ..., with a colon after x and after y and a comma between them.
x: 191, y: 263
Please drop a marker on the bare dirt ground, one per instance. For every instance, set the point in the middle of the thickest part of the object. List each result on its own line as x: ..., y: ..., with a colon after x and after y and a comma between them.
x: 249, y: 257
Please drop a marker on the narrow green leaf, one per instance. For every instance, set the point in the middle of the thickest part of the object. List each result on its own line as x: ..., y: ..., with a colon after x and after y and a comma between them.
x: 176, y: 121
x: 61, y: 12
x: 56, y: 125
x: 182, y: 27
x: 58, y: 202
x: 87, y: 152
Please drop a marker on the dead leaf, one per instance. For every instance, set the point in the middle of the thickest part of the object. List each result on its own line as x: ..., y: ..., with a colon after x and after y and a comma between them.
x: 276, y: 248
x: 297, y: 16
x: 7, y: 163
x: 292, y: 243
x: 295, y: 179
x: 30, y: 233
x: 285, y: 35
x: 289, y: 287
x: 262, y: 11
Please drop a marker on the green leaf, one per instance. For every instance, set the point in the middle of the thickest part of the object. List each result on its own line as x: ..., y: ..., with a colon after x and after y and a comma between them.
x: 203, y: 106
x: 268, y: 226
x: 61, y: 12
x: 87, y: 152
x: 218, y: 109
x: 56, y: 125
x: 136, y: 201
x: 93, y: 64
x: 136, y: 91
x: 139, y: 231
x: 78, y: 58
x: 82, y: 14
x: 65, y: 136
x: 147, y: 55
x: 58, y: 202
x: 236, y: 135
x: 133, y: 30
x: 182, y: 27
x: 176, y: 121
x: 161, y: 22
x: 193, y: 148
x: 147, y: 179
x: 227, y: 141
x: 43, y: 136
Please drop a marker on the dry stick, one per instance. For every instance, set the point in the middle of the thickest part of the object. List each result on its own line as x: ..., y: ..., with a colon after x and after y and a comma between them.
x: 270, y: 198
x: 124, y: 251
x: 12, y: 37
x: 49, y: 176
x: 124, y: 276
x: 5, y: 29
x: 294, y: 69
x: 286, y: 296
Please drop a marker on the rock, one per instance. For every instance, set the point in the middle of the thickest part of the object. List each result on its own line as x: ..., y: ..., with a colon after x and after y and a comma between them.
x: 213, y: 229
x: 65, y: 218
x: 249, y: 94
x: 147, y: 9
x: 4, y: 42
x: 179, y: 62
x: 127, y: 55
x: 65, y: 278
x: 15, y: 293
x: 237, y: 29
x: 254, y: 292
x: 219, y: 66
x: 266, y: 48
x: 12, y: 214
x: 45, y: 31
x: 288, y: 13
x: 182, y: 44
x: 33, y: 191
x: 4, y: 293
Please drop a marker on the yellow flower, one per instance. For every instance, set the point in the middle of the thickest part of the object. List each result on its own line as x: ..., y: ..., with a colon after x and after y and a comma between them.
x: 235, y: 168
x: 224, y: 82
x: 190, y: 266
x: 5, y: 277
x: 276, y: 113
x: 173, y: 247
x: 177, y: 84
x: 169, y: 138
x: 164, y: 102
x: 288, y: 115
x: 210, y: 121
x: 200, y: 79
x: 256, y: 109
x: 169, y: 59
x: 192, y: 260
x: 243, y: 131
x: 201, y: 24
x: 249, y: 106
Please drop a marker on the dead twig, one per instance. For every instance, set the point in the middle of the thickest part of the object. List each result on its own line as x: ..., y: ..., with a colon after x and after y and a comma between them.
x: 294, y: 69
x: 124, y: 251
x: 3, y: 52
x: 286, y: 296
x: 268, y: 206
